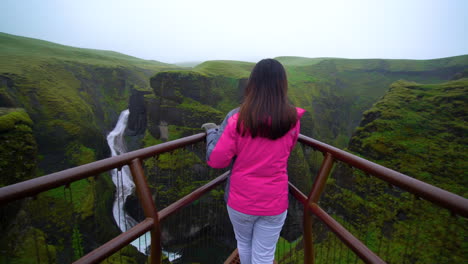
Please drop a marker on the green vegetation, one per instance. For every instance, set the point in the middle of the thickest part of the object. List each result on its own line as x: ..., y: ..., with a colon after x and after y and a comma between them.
x: 285, y: 250
x: 419, y: 130
x: 234, y: 69
x: 336, y: 92
x: 298, y: 61
x: 73, y: 95
x: 32, y: 248
x: 12, y: 118
x: 18, y: 150
x: 56, y: 105
x: 58, y: 102
x: 21, y: 50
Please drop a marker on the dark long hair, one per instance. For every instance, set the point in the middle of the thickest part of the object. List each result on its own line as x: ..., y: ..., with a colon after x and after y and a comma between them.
x: 266, y: 111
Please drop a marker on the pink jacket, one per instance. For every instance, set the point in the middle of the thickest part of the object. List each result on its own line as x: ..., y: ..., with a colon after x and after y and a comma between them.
x: 258, y: 184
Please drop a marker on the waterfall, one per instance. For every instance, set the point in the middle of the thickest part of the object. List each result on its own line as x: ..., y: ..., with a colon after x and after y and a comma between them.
x: 124, y: 184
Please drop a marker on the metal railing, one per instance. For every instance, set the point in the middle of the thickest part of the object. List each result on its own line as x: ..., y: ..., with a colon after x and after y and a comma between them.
x: 450, y: 201
x: 454, y: 203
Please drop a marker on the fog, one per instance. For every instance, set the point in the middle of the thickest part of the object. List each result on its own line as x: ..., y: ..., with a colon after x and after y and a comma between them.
x: 187, y: 30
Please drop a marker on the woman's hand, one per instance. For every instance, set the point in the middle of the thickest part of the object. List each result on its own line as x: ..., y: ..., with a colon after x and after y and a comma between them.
x: 208, y: 126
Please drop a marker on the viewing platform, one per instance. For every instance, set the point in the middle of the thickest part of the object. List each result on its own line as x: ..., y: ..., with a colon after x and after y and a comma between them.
x: 320, y: 228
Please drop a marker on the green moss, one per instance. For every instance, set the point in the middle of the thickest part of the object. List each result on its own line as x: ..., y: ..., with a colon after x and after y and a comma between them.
x: 285, y: 249
x: 18, y: 151
x: 71, y: 94
x: 80, y: 194
x: 418, y: 130
x: 298, y: 61
x: 414, y: 127
x: 236, y: 69
x: 21, y: 51
x: 195, y: 106
x: 11, y: 117
x: 79, y: 154
x: 126, y: 256
x: 177, y: 159
x: 148, y: 140
x: 32, y: 248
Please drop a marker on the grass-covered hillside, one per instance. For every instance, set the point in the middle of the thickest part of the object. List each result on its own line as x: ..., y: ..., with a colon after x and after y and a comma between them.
x: 417, y: 129
x: 57, y: 103
x: 233, y: 69
x: 337, y: 91
x: 420, y: 130
x: 72, y: 95
x: 29, y: 50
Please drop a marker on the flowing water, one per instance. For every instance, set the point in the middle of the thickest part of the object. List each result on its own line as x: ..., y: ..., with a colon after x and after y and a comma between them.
x: 124, y: 184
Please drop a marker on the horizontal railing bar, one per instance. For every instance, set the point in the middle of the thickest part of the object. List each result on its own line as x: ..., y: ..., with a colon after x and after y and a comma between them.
x: 54, y: 180
x: 117, y: 243
x: 297, y: 193
x: 351, y: 241
x: 193, y: 196
x: 451, y: 201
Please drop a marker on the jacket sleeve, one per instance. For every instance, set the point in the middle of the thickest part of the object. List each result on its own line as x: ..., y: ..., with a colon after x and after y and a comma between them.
x: 297, y: 128
x: 221, y: 144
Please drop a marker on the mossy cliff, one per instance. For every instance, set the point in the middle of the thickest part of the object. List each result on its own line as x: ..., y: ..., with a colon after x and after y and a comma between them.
x: 18, y: 156
x: 180, y: 102
x: 18, y: 151
x: 336, y: 92
x: 419, y: 130
x: 187, y: 99
x: 74, y: 96
x: 70, y: 99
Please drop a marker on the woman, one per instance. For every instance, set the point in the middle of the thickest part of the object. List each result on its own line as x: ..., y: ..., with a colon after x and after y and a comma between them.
x: 256, y: 139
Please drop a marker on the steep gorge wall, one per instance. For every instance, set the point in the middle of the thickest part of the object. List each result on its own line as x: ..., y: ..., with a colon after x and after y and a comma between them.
x: 67, y: 113
x: 68, y: 107
x: 336, y: 92
x: 416, y: 129
x: 181, y: 101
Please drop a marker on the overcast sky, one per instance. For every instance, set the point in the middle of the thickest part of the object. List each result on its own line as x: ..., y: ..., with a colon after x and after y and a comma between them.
x: 198, y: 30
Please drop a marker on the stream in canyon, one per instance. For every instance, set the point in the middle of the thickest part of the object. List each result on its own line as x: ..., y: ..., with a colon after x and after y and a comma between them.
x: 124, y: 184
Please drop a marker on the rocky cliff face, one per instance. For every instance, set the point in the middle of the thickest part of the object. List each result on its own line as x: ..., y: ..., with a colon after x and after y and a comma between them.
x: 183, y: 100
x: 18, y: 150
x: 72, y: 97
x: 336, y: 92
x: 69, y: 99
x: 137, y: 120
x: 18, y: 155
x: 416, y: 129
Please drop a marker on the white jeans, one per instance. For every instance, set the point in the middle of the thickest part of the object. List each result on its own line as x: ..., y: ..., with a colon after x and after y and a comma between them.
x: 256, y: 235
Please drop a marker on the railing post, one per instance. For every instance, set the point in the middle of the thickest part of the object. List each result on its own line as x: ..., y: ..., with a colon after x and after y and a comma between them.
x: 317, y: 189
x: 149, y: 208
